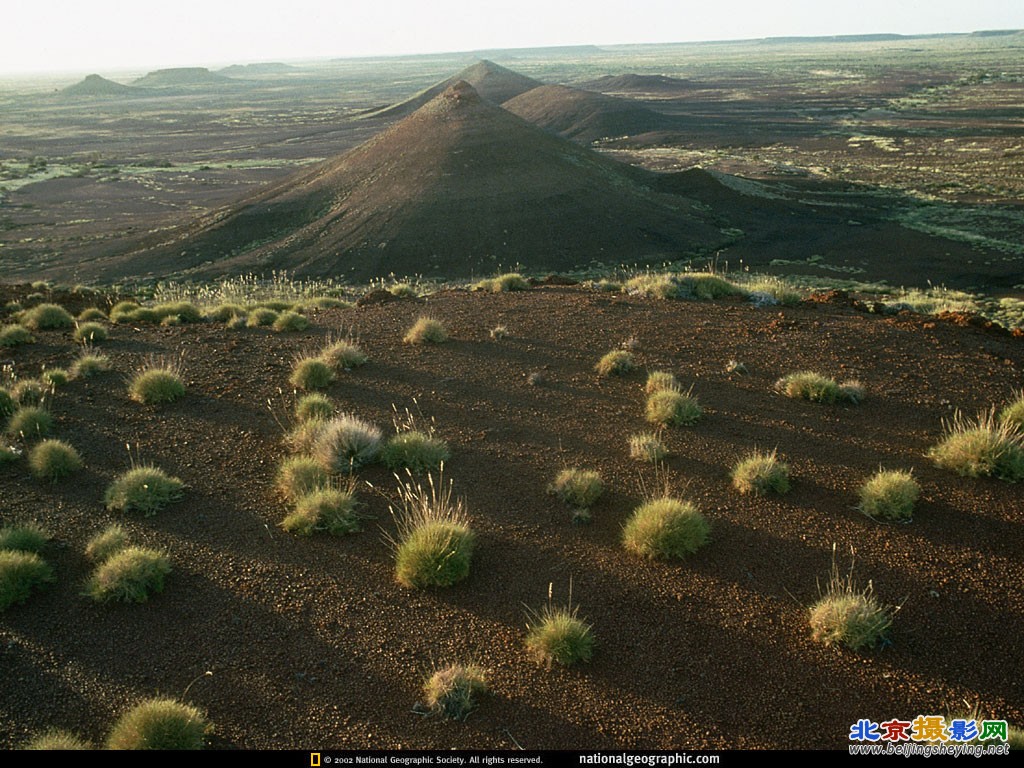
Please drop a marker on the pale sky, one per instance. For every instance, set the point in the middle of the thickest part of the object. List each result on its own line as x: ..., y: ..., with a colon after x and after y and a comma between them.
x: 110, y: 35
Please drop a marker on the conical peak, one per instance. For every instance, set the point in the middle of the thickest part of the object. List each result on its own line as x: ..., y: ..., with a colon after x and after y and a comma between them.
x: 457, y: 96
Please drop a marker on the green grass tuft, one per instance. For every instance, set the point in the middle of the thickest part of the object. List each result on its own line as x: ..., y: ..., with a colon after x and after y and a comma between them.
x: 290, y: 322
x: 20, y: 573
x: 53, y: 460
x: 449, y: 691
x: 15, y: 336
x: 808, y: 385
x: 89, y: 364
x: 30, y: 391
x: 426, y: 330
x: 890, y: 496
x: 347, y: 442
x: 659, y: 380
x: 981, y: 448
x: 415, y: 450
x: 328, y: 509
x: 672, y: 407
x: 107, y: 542
x: 344, y: 355
x: 28, y: 537
x: 47, y: 317
x: 160, y: 724
x: 30, y: 422
x: 580, y: 488
x: 129, y: 575
x: 314, y: 406
x: 261, y: 317
x: 510, y: 281
x: 158, y: 381
x: 1013, y: 413
x: 91, y: 315
x: 665, y: 528
x: 616, y: 362
x: 847, y: 615
x: 647, y: 446
x: 760, y: 473
x: 144, y: 489
x: 311, y: 373
x: 556, y: 635
x: 55, y: 377
x: 90, y: 333
x: 59, y: 739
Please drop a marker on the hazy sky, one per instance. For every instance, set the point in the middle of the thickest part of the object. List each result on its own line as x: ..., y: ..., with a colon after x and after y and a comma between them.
x: 108, y: 35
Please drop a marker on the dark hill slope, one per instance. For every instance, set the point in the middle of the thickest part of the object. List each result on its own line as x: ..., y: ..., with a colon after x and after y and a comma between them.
x: 458, y: 188
x: 96, y: 85
x: 658, y: 86
x: 584, y: 115
x: 492, y: 81
x: 180, y: 76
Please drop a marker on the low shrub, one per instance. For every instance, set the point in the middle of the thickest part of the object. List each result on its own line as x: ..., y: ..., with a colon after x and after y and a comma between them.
x: 415, y: 450
x: 53, y: 460
x: 981, y: 448
x: 159, y: 381
x: 29, y: 391
x: 672, y: 407
x: 303, y: 436
x: 557, y: 635
x: 55, y: 377
x: 499, y: 332
x: 90, y: 333
x: 1013, y: 413
x: 160, y: 723
x: 20, y: 573
x: 579, y: 488
x: 659, y: 380
x: 311, y: 373
x: 300, y: 475
x: 426, y: 330
x: 91, y: 315
x: 706, y: 285
x: 15, y: 336
x: 30, y: 422
x: 647, y: 446
x: 616, y: 362
x: 107, y: 542
x: 290, y: 322
x: 89, y: 364
x: 450, y: 691
x: 27, y: 537
x: 890, y: 496
x: 760, y: 473
x: 434, y: 544
x: 261, y: 317
x: 347, y: 442
x: 57, y: 738
x: 314, y: 406
x: 226, y: 312
x: 48, y: 317
x: 808, y: 385
x: 847, y: 615
x: 144, y: 489
x: 510, y: 281
x: 665, y: 528
x: 129, y: 575
x: 329, y: 509
x: 343, y: 355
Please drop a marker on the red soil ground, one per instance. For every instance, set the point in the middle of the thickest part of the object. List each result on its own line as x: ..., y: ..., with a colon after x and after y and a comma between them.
x: 312, y: 643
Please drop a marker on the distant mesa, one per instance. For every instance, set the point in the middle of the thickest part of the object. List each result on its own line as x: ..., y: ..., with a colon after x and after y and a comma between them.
x: 258, y: 69
x: 586, y: 116
x: 95, y: 85
x: 460, y: 187
x: 660, y: 86
x: 180, y: 76
x: 491, y: 81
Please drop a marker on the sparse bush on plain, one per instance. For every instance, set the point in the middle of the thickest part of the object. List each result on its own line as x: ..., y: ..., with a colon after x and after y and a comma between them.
x: 616, y: 362
x: 89, y: 364
x: 53, y: 460
x: 673, y: 407
x: 107, y: 542
x: 55, y: 377
x: 90, y: 333
x: 300, y: 475
x: 426, y: 330
x: 303, y: 436
x: 847, y: 615
x: 91, y: 315
x: 26, y: 537
x: 890, y: 496
x: 30, y: 391
x: 290, y: 322
x: 160, y: 723
x: 223, y: 313
x: 450, y: 691
x: 982, y: 447
x: 347, y: 442
x: 129, y: 575
x: 158, y: 381
x: 557, y: 635
x: 328, y: 508
x: 415, y: 450
x: 20, y: 573
x: 15, y: 336
x: 808, y: 385
x: 1013, y: 413
x: 261, y: 317
x: 311, y: 373
x: 314, y: 406
x: 30, y: 422
x: 647, y: 446
x: 760, y: 473
x: 579, y: 488
x: 510, y: 281
x: 144, y: 489
x: 434, y: 544
x: 57, y: 739
x: 659, y: 380
x: 344, y: 355
x: 665, y: 528
x: 47, y: 317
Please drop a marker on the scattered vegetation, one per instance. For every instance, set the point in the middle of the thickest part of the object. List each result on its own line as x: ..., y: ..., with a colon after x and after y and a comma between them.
x: 661, y: 380
x: 129, y: 575
x: 346, y: 443
x: 261, y: 317
x: 344, y: 355
x: 510, y: 281
x: 647, y: 446
x: 55, y: 377
x: 314, y: 406
x: 88, y: 364
x: 673, y: 407
x: 20, y: 573
x: 808, y: 385
x: 58, y: 739
x: 579, y: 488
x: 449, y: 691
x: 434, y: 544
x: 160, y: 724
x: 27, y: 537
x: 107, y: 542
x: 90, y: 333
x: 890, y: 496
x: 557, y: 635
x: 616, y: 362
x: 311, y: 373
x: 53, y: 460
x: 846, y: 615
x: 426, y: 330
x: 326, y: 508
x: 15, y: 336
x: 1013, y: 413
x: 290, y: 322
x: 47, y: 317
x: 760, y: 473
x: 30, y: 422
x: 158, y: 381
x: 983, y: 447
x: 144, y: 489
x: 665, y: 528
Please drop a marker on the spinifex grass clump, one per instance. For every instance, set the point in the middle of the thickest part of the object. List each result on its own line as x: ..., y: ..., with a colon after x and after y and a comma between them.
x: 557, y: 635
x: 760, y: 473
x: 30, y: 422
x: 890, y: 496
x: 30, y: 391
x: 129, y: 575
x: 20, y: 573
x: 261, y: 317
x: 15, y: 336
x: 668, y: 407
x: 53, y: 460
x: 90, y: 333
x: 808, y: 385
x: 665, y: 528
x: 314, y: 406
x: 343, y: 354
x: 57, y: 739
x: 299, y: 475
x: 290, y: 322
x: 107, y: 542
x: 426, y: 330
x: 413, y: 448
x: 847, y: 615
x: 55, y: 377
x: 144, y: 489
x: 347, y: 442
x: 981, y: 448
x: 579, y: 488
x: 510, y: 281
x: 434, y: 544
x: 449, y: 691
x: 647, y: 446
x: 329, y: 508
x: 158, y: 381
x: 163, y: 724
x: 1013, y: 413
x: 311, y: 373
x: 45, y: 317
x: 616, y: 362
x: 26, y: 537
x: 659, y: 380
x: 89, y: 364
